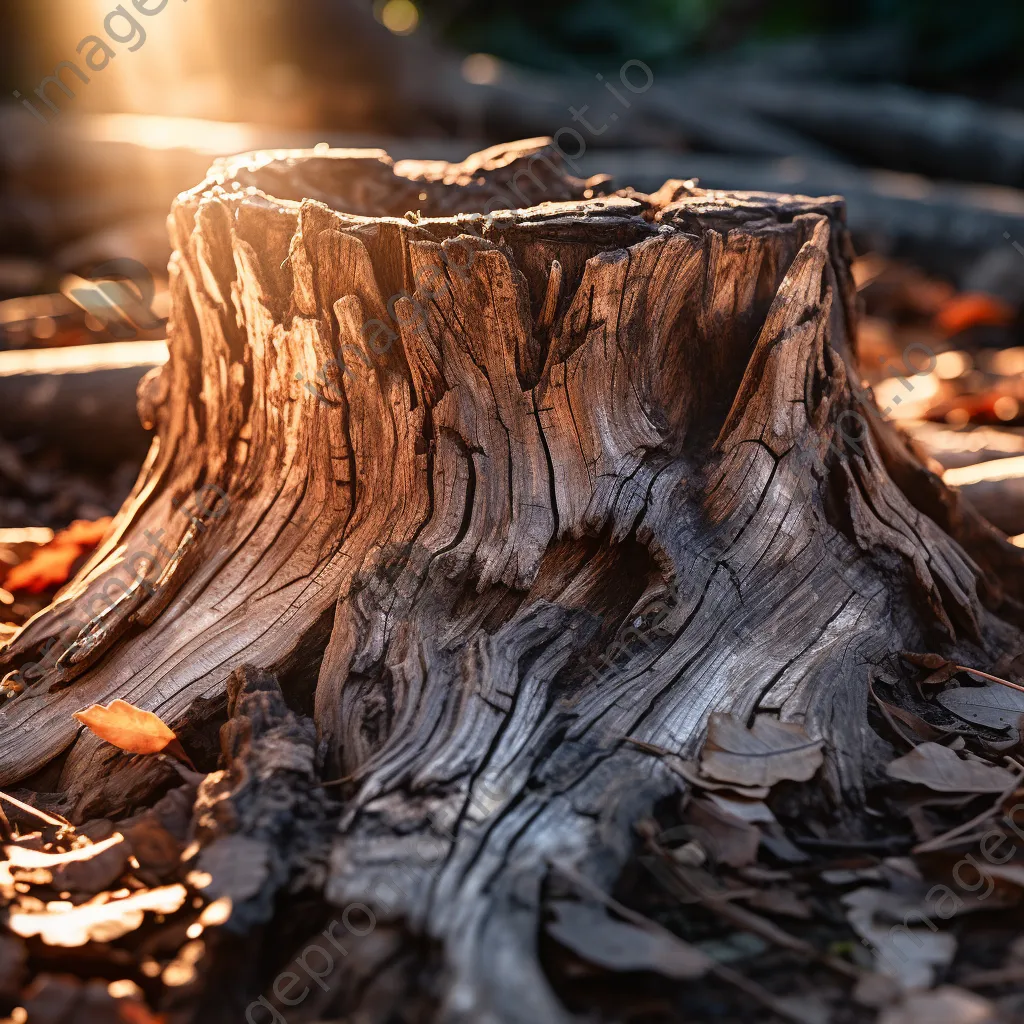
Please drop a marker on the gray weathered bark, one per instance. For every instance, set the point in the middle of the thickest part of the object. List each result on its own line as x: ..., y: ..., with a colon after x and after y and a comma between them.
x: 595, y: 473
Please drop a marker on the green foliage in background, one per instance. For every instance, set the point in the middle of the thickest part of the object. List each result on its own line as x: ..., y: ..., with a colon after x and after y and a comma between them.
x: 944, y: 40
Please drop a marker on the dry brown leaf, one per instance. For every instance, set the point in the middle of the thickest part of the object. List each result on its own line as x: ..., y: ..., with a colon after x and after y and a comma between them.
x: 599, y: 938
x: 726, y: 837
x: 996, y: 706
x: 941, y: 769
x: 99, y: 920
x: 691, y: 772
x: 127, y: 727
x: 768, y: 753
x: 51, y: 565
x: 941, y: 670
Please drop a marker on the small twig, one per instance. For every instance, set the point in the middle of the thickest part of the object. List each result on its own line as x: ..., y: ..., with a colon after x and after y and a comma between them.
x: 815, y: 843
x: 938, y: 842
x: 650, y: 748
x: 887, y: 714
x: 748, y: 921
x: 338, y: 782
x: 29, y: 809
x: 986, y: 675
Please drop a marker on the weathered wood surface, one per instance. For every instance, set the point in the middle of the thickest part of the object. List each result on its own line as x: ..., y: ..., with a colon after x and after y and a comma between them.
x: 603, y: 478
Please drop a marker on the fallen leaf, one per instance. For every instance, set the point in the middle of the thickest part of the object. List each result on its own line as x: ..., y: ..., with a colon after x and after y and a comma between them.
x: 946, y: 1005
x: 127, y: 727
x: 929, y: 661
x: 753, y: 811
x: 973, y: 308
x: 768, y: 753
x: 908, y: 955
x: 597, y: 937
x: 50, y: 566
x: 941, y: 669
x: 691, y: 772
x: 939, y: 768
x: 99, y: 920
x: 995, y: 706
x: 921, y: 729
x: 728, y: 839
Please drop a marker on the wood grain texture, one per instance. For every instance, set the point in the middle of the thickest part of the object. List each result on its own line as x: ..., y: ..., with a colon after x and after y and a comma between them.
x: 598, y: 414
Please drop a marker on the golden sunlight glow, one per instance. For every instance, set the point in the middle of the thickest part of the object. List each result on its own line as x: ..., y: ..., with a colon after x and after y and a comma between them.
x: 400, y: 17
x: 895, y: 398
x: 996, y: 469
x: 156, y: 132
x: 176, y: 66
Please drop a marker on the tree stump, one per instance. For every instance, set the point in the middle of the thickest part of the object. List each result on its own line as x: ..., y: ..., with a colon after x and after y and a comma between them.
x: 509, y: 498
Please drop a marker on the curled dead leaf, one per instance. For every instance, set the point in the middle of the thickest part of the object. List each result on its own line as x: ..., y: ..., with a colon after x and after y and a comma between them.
x: 127, y: 727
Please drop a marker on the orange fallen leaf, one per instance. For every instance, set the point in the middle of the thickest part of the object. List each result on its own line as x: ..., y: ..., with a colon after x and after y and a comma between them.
x: 971, y: 309
x: 51, y: 565
x: 127, y: 727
